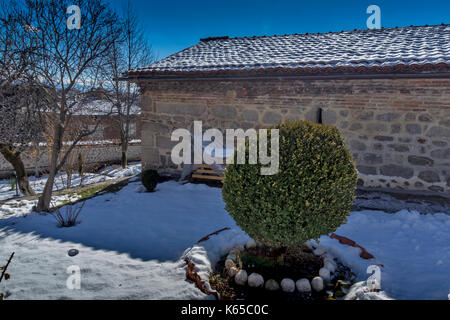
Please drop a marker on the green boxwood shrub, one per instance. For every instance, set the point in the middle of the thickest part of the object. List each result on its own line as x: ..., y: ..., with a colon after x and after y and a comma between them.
x: 311, y: 195
x: 150, y: 180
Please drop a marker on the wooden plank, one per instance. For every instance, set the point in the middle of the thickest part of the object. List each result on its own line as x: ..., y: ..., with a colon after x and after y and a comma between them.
x: 198, y: 176
x: 206, y: 171
x: 203, y: 166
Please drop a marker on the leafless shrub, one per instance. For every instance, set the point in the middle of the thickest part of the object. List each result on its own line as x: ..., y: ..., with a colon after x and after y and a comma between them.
x: 67, y: 216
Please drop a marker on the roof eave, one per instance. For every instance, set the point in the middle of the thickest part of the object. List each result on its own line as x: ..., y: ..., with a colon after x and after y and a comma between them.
x: 441, y: 70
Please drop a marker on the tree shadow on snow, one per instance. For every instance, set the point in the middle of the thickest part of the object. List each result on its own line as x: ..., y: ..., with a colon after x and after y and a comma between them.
x: 148, y: 226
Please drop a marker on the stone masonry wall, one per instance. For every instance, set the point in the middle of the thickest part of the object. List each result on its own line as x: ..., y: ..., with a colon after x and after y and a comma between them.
x: 398, y: 130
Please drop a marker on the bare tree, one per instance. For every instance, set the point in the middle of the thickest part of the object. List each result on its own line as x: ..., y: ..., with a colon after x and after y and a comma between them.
x: 66, y: 64
x: 20, y: 127
x: 130, y: 51
x: 20, y: 100
x: 74, y: 129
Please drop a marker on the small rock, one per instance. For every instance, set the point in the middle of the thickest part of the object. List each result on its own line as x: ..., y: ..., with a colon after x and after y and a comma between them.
x: 317, y: 284
x: 255, y: 280
x: 232, y: 271
x: 330, y: 266
x: 272, y: 285
x: 241, y: 278
x: 73, y: 252
x: 288, y: 285
x: 303, y: 285
x: 229, y: 263
x: 250, y: 244
x: 324, y: 273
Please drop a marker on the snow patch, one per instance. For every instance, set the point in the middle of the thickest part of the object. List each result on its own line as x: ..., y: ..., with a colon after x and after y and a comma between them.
x: 132, y: 245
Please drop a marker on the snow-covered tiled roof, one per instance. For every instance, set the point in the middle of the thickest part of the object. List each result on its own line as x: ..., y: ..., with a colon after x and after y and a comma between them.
x: 101, y: 107
x: 406, y: 46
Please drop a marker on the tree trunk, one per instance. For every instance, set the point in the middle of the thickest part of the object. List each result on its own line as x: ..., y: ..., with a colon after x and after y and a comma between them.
x: 69, y: 177
x: 124, y: 155
x: 46, y: 196
x: 37, y: 170
x: 22, y: 178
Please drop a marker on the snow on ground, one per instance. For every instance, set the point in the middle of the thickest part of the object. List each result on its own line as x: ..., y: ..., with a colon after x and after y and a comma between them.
x: 132, y: 245
x: 38, y: 184
x: 414, y: 249
x: 116, y: 172
x: 22, y: 208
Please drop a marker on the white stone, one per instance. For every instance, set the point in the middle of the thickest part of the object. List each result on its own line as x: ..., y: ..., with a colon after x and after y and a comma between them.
x: 232, y: 271
x: 250, y: 244
x: 288, y: 285
x: 317, y: 284
x: 330, y: 266
x: 324, y: 273
x: 272, y: 285
x: 241, y: 277
x: 319, y: 251
x: 329, y: 260
x: 303, y: 285
x: 309, y: 245
x: 229, y: 263
x: 255, y: 280
x: 232, y: 257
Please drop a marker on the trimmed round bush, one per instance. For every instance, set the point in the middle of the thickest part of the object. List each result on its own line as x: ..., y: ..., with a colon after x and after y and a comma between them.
x: 310, y: 196
x: 150, y: 180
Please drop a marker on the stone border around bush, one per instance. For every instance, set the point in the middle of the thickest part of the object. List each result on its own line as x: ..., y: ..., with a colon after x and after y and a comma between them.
x: 255, y: 280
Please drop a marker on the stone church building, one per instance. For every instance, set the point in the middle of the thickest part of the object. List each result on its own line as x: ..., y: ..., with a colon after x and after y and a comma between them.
x: 387, y: 90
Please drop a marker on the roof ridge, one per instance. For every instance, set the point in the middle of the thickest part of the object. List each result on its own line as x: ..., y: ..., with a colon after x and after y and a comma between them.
x: 219, y: 38
x: 214, y: 38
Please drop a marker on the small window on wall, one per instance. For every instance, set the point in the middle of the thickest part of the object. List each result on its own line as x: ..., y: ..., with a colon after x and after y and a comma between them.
x: 98, y: 134
x: 320, y: 116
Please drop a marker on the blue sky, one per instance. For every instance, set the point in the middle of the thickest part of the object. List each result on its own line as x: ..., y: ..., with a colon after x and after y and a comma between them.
x: 173, y: 25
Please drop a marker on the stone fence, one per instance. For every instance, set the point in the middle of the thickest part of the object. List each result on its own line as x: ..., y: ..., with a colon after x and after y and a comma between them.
x: 95, y: 154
